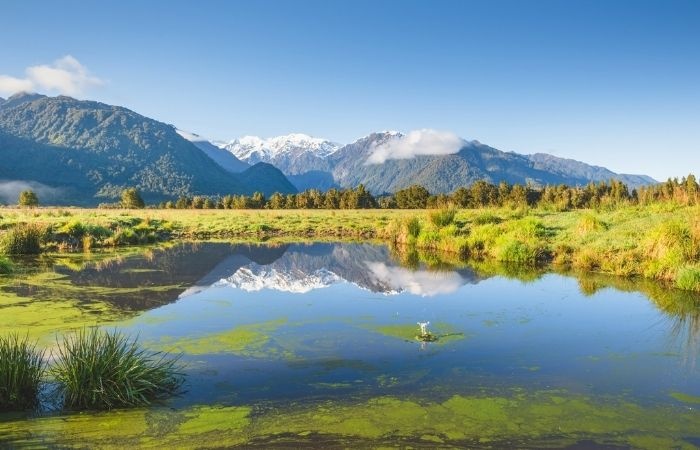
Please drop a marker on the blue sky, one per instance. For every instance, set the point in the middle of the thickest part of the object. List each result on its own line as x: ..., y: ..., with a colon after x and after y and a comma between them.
x: 614, y: 83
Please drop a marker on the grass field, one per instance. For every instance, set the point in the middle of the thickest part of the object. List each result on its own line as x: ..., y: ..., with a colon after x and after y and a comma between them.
x: 659, y: 241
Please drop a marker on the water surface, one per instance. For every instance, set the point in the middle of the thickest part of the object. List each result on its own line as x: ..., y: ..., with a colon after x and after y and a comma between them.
x: 315, y: 345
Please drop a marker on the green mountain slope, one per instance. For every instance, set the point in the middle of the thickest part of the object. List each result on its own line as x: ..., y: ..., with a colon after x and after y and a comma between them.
x: 94, y: 150
x: 475, y: 161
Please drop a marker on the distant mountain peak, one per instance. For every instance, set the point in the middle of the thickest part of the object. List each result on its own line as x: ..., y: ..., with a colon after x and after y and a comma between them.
x: 292, y: 153
x: 20, y: 98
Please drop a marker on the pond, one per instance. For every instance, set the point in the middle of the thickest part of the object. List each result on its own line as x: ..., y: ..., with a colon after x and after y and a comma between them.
x: 315, y: 345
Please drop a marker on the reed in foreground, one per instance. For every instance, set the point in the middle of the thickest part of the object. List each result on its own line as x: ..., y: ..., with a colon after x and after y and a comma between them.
x: 22, y: 367
x: 98, y: 369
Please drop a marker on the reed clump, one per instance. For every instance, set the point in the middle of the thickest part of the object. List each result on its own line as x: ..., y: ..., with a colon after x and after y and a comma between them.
x: 98, y: 369
x: 22, y: 367
x: 23, y: 239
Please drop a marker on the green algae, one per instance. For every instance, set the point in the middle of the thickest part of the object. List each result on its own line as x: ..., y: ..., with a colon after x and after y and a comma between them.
x: 444, y: 332
x: 463, y: 419
x: 685, y: 398
x: 542, y: 418
x: 251, y: 340
x: 42, y: 319
x: 156, y: 428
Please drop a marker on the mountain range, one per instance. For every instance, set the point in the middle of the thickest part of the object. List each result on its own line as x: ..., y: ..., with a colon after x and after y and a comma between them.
x: 317, y: 163
x: 86, y: 152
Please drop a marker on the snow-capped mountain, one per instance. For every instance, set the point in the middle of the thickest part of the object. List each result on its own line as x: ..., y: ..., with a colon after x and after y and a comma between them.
x: 302, y: 269
x: 256, y: 278
x: 292, y: 154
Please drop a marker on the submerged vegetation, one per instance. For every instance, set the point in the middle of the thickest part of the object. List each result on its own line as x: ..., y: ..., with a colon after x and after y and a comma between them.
x: 22, y: 367
x: 104, y: 370
x: 510, y: 419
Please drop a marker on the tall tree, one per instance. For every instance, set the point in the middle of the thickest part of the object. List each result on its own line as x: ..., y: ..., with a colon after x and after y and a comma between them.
x: 28, y: 199
x: 131, y: 199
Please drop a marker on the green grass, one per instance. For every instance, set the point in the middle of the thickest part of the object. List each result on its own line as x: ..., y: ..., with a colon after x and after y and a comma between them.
x: 22, y: 367
x: 442, y: 217
x: 6, y: 266
x: 659, y: 241
x: 104, y: 370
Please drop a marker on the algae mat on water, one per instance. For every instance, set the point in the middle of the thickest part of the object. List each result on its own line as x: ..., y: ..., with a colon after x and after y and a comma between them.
x: 250, y: 340
x: 547, y: 418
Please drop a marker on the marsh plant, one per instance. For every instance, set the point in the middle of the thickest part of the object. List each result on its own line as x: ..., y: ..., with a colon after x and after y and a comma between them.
x: 22, y: 368
x: 98, y: 369
x: 23, y: 239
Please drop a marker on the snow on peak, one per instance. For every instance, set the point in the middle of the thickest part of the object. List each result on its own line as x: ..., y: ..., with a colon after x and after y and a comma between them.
x: 258, y: 278
x: 255, y: 149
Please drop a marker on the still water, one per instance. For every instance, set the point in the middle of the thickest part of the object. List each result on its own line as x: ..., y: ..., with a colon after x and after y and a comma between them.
x: 307, y: 345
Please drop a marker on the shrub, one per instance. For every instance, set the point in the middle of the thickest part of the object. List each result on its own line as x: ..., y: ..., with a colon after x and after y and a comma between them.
x: 23, y: 239
x: 22, y: 367
x: 442, y: 217
x: 103, y: 370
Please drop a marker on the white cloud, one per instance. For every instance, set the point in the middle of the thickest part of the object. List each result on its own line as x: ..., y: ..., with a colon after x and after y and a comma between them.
x: 10, y: 85
x: 65, y: 76
x: 419, y: 282
x: 417, y: 142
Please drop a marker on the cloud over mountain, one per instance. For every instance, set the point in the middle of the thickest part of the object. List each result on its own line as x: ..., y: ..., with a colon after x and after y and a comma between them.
x: 417, y: 142
x: 65, y: 76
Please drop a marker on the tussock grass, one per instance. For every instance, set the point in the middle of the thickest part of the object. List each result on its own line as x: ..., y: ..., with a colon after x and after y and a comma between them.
x: 442, y: 217
x: 23, y: 239
x: 103, y: 370
x: 589, y: 223
x: 22, y: 367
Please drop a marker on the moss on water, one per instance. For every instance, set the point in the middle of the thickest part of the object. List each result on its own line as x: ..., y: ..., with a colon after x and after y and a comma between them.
x: 543, y: 418
x: 157, y: 428
x: 462, y: 419
x: 444, y: 332
x: 685, y: 398
x: 251, y: 340
x: 42, y: 319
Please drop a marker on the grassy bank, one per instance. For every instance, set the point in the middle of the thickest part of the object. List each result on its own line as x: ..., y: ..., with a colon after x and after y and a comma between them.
x: 656, y: 241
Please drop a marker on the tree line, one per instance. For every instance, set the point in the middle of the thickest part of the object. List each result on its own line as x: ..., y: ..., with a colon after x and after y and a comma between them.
x: 481, y: 194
